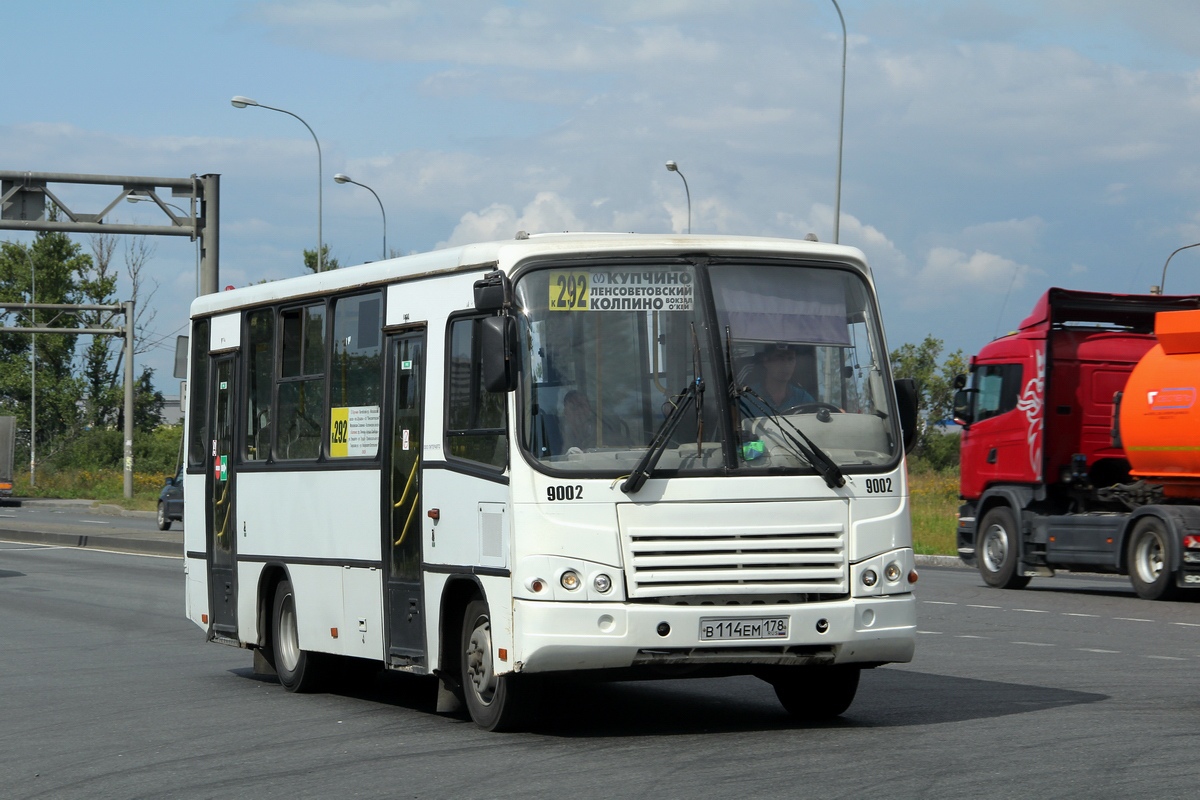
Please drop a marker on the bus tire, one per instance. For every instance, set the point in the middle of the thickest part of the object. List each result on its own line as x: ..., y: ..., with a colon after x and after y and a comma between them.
x: 996, y: 550
x: 816, y: 694
x: 1149, y: 557
x: 494, y: 701
x: 298, y: 670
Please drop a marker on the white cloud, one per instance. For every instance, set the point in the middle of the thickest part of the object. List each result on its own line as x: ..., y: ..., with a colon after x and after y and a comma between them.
x: 949, y: 274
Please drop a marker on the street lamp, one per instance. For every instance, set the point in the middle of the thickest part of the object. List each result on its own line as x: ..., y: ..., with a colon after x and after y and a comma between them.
x: 837, y: 203
x: 673, y: 167
x: 341, y: 177
x: 242, y: 102
x: 1162, y: 285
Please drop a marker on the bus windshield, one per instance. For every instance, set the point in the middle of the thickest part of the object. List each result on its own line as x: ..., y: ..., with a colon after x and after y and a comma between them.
x: 780, y: 367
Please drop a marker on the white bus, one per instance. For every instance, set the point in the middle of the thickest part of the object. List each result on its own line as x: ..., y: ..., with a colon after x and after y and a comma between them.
x: 621, y: 454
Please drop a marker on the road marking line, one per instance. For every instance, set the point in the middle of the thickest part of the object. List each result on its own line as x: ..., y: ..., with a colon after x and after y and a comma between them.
x: 1073, y: 614
x: 95, y: 522
x: 938, y: 603
x: 1037, y: 644
x: 971, y: 636
x: 972, y: 605
x: 1187, y: 624
x: 1168, y: 658
x: 1132, y: 619
x: 931, y: 633
x: 1095, y: 650
x: 1031, y: 610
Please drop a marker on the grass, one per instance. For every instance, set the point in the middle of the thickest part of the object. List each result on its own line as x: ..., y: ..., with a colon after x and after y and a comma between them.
x: 105, y: 486
x: 934, y: 509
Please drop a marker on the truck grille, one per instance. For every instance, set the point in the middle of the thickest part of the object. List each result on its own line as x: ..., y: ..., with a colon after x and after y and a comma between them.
x: 664, y: 560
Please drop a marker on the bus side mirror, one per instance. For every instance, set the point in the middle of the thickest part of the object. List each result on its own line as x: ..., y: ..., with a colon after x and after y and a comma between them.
x: 964, y: 413
x: 906, y: 400
x: 498, y: 351
x: 491, y: 292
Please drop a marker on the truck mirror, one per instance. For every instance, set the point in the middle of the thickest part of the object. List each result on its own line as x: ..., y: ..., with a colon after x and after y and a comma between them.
x: 498, y: 351
x: 964, y: 414
x: 906, y: 399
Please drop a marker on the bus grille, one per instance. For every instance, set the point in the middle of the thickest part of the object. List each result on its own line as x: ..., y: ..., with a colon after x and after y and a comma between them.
x: 796, y: 559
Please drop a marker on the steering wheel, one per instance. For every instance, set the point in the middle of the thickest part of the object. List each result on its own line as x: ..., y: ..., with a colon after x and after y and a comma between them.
x: 816, y: 405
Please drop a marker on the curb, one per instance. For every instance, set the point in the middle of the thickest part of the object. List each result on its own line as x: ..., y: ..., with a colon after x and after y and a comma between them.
x: 939, y: 561
x: 120, y: 544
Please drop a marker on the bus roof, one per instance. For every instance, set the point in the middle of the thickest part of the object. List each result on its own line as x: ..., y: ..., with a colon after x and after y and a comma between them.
x: 504, y: 254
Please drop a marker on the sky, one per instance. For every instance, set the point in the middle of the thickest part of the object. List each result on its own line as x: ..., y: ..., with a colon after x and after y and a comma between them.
x: 991, y: 149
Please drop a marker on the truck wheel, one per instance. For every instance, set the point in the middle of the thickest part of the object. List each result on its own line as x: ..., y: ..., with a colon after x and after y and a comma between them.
x: 996, y: 550
x: 1149, y: 556
x: 494, y: 701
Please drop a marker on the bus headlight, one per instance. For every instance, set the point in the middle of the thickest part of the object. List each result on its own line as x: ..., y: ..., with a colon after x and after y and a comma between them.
x: 869, y: 578
x: 570, y: 580
x: 602, y: 583
x: 892, y: 572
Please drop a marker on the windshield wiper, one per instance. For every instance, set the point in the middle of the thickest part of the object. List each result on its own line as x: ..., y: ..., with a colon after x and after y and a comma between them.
x: 693, y: 393
x: 810, y: 450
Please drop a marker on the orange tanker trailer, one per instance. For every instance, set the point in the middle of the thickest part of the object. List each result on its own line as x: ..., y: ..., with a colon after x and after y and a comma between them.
x: 1159, y: 417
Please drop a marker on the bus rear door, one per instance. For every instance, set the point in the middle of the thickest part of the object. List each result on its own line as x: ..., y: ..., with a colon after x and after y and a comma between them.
x: 403, y: 518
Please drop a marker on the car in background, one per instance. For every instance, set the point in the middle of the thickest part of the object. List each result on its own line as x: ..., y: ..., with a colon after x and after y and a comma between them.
x: 170, y: 501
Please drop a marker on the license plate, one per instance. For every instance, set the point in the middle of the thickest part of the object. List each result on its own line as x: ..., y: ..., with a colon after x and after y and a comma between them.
x: 724, y: 628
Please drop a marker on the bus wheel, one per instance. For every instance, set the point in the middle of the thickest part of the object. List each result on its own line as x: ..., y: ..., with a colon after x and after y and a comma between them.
x: 493, y: 700
x: 298, y: 670
x: 1149, y: 557
x: 996, y: 550
x: 816, y: 694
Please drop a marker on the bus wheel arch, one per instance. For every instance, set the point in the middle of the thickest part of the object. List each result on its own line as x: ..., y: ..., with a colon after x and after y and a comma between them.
x: 298, y: 670
x: 268, y: 580
x: 495, y: 702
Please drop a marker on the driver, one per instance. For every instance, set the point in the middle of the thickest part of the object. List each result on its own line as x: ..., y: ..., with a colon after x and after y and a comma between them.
x: 773, y: 378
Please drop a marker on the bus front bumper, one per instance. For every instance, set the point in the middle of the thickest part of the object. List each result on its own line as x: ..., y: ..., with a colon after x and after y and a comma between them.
x: 588, y: 636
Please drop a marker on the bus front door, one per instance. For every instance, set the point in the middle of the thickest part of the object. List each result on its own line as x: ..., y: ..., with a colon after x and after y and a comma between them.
x: 402, y: 520
x: 222, y: 568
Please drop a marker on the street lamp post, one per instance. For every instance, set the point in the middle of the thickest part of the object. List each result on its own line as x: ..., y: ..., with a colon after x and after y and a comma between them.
x: 1162, y: 285
x: 32, y: 374
x: 673, y: 167
x: 837, y: 203
x: 341, y: 177
x: 242, y: 102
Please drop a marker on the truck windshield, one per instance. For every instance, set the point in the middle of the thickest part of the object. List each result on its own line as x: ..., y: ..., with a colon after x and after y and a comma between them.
x: 789, y: 355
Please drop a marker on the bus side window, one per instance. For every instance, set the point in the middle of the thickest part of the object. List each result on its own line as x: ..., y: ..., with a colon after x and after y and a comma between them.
x: 260, y: 358
x: 301, y: 383
x: 198, y: 397
x: 475, y: 418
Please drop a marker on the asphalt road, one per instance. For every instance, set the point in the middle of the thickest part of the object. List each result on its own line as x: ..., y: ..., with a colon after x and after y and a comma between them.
x: 1072, y: 688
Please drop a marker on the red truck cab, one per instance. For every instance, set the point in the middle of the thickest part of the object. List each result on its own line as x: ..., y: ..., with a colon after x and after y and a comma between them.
x: 1040, y: 465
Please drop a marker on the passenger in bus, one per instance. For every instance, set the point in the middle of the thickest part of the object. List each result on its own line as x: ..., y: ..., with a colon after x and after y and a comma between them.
x: 578, y: 421
x: 773, y: 379
x: 579, y: 425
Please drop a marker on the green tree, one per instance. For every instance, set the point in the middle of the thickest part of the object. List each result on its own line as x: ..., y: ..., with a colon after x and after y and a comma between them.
x: 935, y: 394
x: 54, y: 264
x: 310, y: 259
